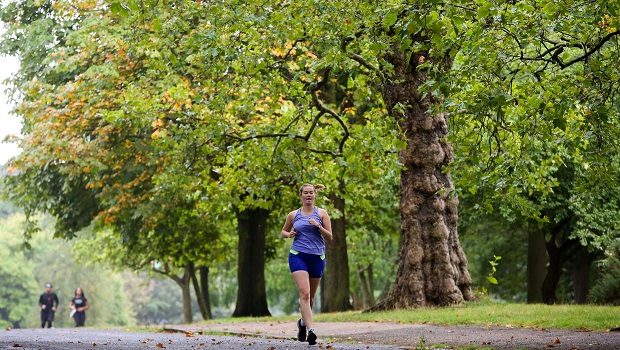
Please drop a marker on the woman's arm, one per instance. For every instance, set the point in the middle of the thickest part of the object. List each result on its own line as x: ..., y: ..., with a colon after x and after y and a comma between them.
x: 287, y: 230
x: 326, y: 228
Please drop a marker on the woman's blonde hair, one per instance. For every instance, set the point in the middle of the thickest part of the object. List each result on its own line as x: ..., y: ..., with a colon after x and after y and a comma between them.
x: 317, y: 187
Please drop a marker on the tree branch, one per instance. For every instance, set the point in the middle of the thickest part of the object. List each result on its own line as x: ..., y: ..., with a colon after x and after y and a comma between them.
x: 166, y: 272
x: 359, y: 59
x: 592, y: 50
x: 324, y: 109
x: 558, y: 48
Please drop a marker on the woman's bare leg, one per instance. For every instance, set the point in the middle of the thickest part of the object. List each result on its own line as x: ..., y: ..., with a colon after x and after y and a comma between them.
x: 303, y: 285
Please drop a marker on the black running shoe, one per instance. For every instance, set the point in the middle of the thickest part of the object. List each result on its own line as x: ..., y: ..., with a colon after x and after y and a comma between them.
x: 311, y: 338
x: 301, y: 331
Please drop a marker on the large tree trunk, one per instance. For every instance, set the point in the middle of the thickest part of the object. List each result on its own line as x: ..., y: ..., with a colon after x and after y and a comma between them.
x: 335, y: 282
x: 432, y: 265
x: 536, y: 265
x: 251, y: 292
x: 553, y: 273
x: 581, y: 274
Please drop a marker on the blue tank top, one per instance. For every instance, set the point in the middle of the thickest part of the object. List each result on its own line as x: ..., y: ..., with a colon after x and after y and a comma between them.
x: 308, y: 239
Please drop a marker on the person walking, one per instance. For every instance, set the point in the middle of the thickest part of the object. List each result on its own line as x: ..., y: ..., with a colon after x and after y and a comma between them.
x: 48, y: 301
x: 309, y: 226
x: 79, y: 304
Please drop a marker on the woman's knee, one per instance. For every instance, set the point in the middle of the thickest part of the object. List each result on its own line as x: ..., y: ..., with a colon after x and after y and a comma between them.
x: 304, y: 295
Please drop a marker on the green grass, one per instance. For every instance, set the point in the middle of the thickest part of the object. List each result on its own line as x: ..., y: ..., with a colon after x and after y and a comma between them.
x: 483, y: 313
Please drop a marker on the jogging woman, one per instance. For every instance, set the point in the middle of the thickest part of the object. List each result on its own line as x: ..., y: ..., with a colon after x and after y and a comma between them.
x: 309, y: 226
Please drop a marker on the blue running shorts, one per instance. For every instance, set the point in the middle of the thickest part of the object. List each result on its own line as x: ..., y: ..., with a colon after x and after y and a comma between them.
x: 314, y: 264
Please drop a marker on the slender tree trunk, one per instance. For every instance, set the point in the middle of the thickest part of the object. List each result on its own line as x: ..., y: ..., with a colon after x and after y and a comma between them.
x: 197, y: 292
x: 432, y: 265
x: 371, y: 283
x: 536, y: 265
x: 204, y: 289
x: 335, y: 283
x: 365, y: 287
x: 251, y: 292
x: 187, y: 298
x: 183, y: 282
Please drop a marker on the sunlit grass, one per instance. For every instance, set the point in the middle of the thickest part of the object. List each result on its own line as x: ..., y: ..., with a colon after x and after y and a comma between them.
x: 482, y: 313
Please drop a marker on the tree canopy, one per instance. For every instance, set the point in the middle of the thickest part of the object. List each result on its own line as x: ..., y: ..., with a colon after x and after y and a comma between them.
x: 153, y: 118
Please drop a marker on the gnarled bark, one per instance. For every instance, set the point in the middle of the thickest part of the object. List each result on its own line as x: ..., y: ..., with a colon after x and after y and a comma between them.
x: 432, y: 265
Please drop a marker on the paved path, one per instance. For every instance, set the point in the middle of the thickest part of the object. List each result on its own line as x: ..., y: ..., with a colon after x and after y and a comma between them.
x: 335, y: 336
x: 92, y: 339
x: 409, y: 336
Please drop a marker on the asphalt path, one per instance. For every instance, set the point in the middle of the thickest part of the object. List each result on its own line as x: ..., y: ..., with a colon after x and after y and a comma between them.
x: 417, y: 336
x: 279, y: 335
x: 87, y: 338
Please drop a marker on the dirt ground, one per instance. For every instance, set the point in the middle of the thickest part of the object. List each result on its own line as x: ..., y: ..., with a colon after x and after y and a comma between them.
x: 408, y: 336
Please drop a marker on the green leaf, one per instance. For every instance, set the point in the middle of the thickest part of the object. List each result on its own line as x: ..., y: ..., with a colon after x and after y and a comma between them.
x: 390, y: 19
x: 119, y: 9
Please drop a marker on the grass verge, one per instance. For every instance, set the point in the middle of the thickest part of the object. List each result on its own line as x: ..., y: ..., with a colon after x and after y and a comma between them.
x: 481, y: 313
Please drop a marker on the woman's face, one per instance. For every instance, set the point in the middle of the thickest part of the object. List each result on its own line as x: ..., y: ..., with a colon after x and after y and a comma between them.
x: 78, y: 291
x: 307, y: 195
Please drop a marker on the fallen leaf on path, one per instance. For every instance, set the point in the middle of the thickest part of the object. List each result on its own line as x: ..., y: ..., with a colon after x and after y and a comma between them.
x: 161, y: 346
x: 555, y: 342
x: 17, y: 345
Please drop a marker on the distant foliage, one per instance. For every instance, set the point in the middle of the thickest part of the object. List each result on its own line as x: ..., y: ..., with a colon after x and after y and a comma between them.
x: 116, y: 298
x: 607, y: 289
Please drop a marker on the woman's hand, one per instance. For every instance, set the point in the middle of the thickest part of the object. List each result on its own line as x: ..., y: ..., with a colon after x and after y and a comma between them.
x: 292, y: 233
x: 314, y: 223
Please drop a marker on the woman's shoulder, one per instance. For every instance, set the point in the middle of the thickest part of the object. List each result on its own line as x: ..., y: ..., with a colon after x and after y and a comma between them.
x: 292, y: 213
x: 321, y: 211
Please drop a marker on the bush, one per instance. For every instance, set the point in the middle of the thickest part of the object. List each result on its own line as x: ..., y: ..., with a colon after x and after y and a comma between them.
x: 607, y: 288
